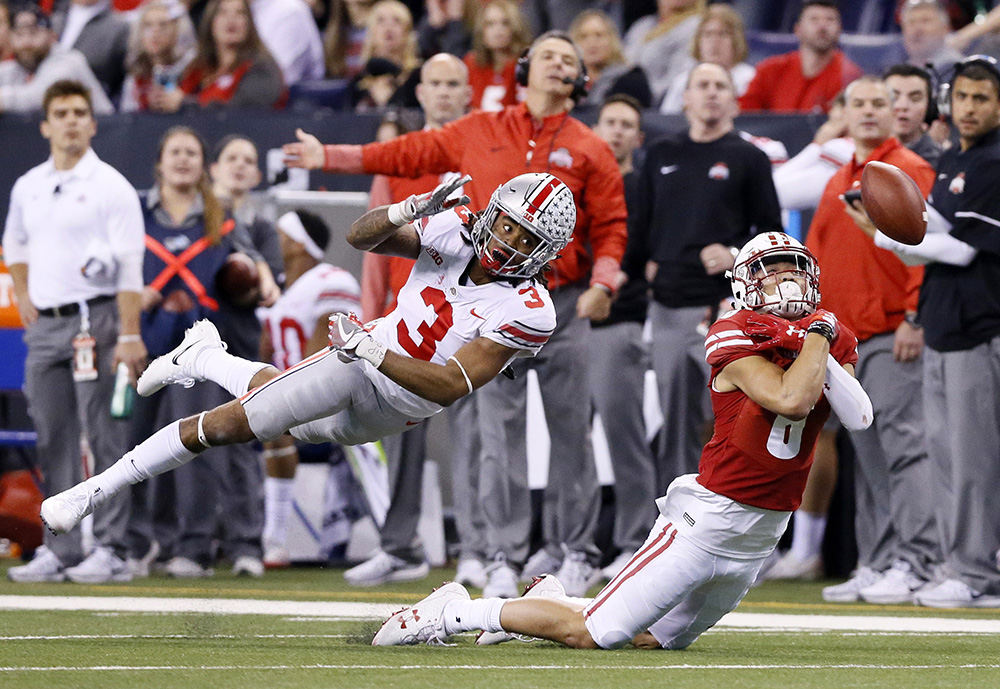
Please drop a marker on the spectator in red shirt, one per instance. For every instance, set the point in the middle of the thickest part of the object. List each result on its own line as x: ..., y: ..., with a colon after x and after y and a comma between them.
x: 232, y: 66
x: 808, y: 79
x: 875, y: 295
x: 500, y: 36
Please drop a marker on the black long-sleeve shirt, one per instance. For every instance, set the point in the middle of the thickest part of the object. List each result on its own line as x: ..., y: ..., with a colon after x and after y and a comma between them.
x: 960, y: 305
x: 693, y: 194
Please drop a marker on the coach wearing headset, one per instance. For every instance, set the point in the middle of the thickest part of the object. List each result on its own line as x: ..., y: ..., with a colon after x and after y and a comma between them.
x: 959, y: 310
x: 535, y: 136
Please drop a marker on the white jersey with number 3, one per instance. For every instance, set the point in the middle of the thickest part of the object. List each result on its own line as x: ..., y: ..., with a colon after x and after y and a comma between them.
x: 438, y: 312
x: 291, y: 321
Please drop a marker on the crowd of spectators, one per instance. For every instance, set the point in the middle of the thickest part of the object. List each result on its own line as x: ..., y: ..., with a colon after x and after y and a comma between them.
x: 165, y: 56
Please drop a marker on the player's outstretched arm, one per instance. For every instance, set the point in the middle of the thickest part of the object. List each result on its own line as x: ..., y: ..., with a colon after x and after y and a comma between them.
x: 387, y: 229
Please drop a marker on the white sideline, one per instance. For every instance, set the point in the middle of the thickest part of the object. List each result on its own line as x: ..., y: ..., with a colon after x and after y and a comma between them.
x: 365, y: 611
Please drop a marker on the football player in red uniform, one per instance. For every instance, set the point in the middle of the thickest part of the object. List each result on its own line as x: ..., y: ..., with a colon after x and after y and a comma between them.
x: 778, y: 365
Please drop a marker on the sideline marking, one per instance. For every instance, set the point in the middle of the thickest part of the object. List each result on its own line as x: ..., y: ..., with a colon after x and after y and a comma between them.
x: 369, y: 611
x: 438, y: 668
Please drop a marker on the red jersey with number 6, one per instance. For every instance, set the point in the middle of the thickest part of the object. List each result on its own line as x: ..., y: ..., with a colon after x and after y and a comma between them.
x: 439, y: 309
x: 757, y: 457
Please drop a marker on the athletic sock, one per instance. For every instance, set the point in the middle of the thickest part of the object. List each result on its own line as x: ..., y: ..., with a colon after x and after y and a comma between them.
x: 466, y: 615
x: 232, y: 373
x: 158, y: 453
x: 277, y: 508
x: 807, y: 536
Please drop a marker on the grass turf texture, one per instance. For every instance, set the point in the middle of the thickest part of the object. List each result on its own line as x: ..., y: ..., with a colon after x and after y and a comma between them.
x: 42, y: 648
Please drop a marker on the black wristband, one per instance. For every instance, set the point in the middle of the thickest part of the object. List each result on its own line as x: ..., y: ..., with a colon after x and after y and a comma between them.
x: 823, y: 328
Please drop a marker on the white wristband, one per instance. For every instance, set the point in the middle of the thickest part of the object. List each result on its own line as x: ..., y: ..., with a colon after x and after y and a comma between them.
x: 371, y: 350
x: 130, y: 338
x: 399, y: 213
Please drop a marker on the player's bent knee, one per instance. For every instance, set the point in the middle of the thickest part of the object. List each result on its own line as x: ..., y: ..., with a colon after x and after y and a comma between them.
x: 227, y: 424
x: 262, y: 376
x: 576, y: 635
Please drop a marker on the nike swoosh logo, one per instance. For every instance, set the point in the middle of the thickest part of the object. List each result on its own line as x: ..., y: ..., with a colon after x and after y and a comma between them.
x: 473, y: 312
x: 667, y: 169
x: 178, y: 354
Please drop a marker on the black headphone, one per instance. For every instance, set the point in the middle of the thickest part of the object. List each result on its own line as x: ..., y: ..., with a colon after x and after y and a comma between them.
x: 523, y: 65
x: 944, y: 91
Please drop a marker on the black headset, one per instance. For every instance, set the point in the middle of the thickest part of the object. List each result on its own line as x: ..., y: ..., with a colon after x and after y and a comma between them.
x: 524, y: 65
x: 944, y: 90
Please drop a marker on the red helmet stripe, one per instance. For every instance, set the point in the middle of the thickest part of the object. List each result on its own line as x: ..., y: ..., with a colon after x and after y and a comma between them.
x: 544, y: 193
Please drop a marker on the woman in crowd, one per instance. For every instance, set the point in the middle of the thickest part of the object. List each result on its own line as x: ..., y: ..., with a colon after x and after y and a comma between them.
x: 500, y: 35
x: 659, y: 43
x: 389, y: 55
x: 232, y: 67
x: 160, y: 47
x: 719, y: 38
x: 344, y: 35
x: 186, y: 226
x: 596, y: 35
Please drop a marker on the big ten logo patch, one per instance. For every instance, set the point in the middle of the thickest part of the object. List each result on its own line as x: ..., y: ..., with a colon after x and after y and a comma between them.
x: 435, y: 256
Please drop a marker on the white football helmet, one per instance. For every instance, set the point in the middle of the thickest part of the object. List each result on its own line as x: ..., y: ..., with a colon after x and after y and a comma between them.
x: 753, y: 265
x: 541, y: 204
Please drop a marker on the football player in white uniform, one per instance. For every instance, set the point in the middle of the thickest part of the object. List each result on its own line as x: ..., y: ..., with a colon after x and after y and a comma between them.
x: 296, y: 327
x: 473, y: 302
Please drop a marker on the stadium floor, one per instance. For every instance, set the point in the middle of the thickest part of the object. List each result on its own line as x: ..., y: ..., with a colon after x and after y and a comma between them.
x: 304, y: 627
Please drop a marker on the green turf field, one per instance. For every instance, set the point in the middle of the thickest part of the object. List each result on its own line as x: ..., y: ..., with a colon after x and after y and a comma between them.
x: 314, y: 634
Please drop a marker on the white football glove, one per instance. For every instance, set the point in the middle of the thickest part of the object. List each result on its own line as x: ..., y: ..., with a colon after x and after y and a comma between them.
x: 352, y: 341
x: 431, y: 203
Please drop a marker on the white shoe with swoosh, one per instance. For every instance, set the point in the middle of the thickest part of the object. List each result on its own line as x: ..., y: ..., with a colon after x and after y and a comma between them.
x: 177, y: 365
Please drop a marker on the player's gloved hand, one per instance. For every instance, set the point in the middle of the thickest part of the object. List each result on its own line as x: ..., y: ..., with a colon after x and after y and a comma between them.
x: 431, y: 203
x: 774, y: 333
x: 352, y: 341
x: 823, y: 322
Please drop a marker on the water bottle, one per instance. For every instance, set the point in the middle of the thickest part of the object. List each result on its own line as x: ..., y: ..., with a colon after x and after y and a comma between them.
x: 123, y: 397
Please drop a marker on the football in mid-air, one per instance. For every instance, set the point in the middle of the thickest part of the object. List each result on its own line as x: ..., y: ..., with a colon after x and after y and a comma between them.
x: 893, y: 202
x: 238, y: 280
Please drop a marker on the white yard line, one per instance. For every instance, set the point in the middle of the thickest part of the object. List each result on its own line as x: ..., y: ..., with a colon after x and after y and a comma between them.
x: 367, y: 611
x: 437, y: 668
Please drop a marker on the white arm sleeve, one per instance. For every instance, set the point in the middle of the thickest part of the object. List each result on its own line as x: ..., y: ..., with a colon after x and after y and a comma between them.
x: 800, y: 181
x: 938, y: 247
x: 849, y: 400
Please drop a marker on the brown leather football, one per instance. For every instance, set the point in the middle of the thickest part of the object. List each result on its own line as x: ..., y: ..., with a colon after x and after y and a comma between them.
x: 238, y: 280
x: 893, y: 202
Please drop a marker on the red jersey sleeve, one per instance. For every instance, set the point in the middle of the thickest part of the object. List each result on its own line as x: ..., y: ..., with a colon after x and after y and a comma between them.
x: 726, y: 341
x: 604, y: 205
x: 845, y: 347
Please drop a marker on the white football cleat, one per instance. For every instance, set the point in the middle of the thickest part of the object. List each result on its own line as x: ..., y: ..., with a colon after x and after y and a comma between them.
x: 422, y: 623
x: 545, y: 586
x: 176, y: 366
x: 63, y: 511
